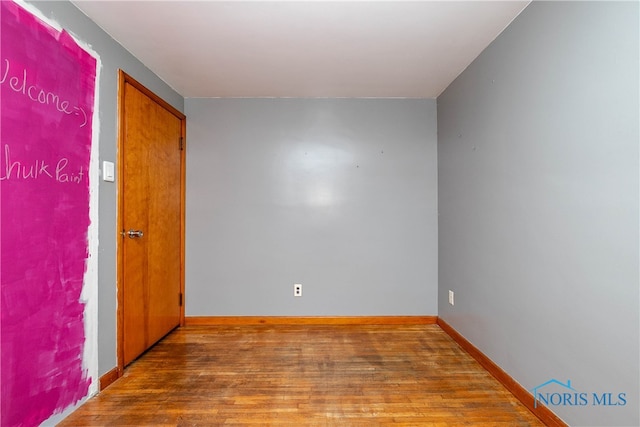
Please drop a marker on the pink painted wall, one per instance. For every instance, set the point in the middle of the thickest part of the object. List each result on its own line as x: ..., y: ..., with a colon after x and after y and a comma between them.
x: 47, y: 94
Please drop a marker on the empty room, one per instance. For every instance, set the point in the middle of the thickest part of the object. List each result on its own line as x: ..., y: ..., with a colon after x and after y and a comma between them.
x: 323, y: 213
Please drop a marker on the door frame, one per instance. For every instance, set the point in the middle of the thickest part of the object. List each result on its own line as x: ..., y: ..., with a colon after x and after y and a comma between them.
x: 123, y: 79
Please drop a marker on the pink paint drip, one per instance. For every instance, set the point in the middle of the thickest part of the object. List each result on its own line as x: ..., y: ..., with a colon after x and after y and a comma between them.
x: 47, y: 85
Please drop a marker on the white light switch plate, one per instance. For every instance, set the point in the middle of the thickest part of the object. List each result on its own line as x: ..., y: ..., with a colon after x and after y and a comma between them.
x: 108, y: 172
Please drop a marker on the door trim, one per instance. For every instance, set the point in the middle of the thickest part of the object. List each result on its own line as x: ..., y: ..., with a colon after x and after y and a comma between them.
x: 124, y: 78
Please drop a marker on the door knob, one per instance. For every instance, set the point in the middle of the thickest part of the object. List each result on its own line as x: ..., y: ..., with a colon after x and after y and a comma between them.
x: 135, y: 233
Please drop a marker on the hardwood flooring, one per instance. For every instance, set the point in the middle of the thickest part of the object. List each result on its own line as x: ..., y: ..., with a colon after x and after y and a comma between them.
x: 305, y: 375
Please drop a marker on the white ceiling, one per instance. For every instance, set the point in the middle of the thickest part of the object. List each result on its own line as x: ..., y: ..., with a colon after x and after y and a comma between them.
x: 304, y: 49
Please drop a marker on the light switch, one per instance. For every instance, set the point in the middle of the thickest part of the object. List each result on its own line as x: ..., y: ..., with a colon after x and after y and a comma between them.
x: 108, y: 171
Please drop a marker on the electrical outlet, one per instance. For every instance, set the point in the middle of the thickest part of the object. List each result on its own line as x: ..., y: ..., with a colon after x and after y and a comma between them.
x: 297, y: 290
x: 451, y: 297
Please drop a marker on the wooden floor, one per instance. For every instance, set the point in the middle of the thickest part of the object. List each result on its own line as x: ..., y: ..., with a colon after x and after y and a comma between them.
x: 305, y: 375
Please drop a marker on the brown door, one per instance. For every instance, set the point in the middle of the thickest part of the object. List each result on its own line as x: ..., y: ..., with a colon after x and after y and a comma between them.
x: 151, y: 206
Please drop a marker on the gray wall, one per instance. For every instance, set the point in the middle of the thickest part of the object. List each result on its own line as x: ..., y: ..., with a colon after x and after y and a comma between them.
x: 336, y: 194
x: 538, y: 202
x: 113, y: 57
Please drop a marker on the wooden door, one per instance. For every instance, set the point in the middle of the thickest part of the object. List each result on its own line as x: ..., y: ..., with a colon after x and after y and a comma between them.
x: 151, y: 210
